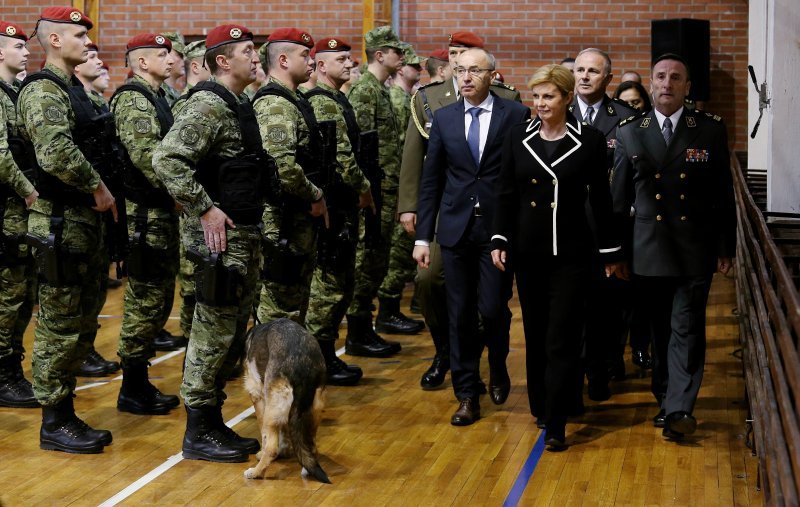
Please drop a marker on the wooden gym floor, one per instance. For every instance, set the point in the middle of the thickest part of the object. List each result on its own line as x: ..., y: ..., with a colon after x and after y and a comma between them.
x: 387, y: 442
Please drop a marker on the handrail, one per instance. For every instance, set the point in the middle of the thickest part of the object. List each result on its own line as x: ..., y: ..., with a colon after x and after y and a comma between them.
x: 769, y: 322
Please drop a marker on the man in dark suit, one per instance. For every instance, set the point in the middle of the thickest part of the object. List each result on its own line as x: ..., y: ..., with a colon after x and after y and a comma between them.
x: 459, y: 182
x: 608, y: 311
x: 673, y: 166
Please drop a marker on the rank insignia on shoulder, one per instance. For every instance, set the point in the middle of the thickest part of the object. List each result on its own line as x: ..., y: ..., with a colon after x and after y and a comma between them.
x: 696, y: 155
x: 627, y: 120
x: 715, y: 117
x: 447, y: 94
x: 611, y: 144
x: 690, y: 122
x: 611, y: 111
x: 645, y: 123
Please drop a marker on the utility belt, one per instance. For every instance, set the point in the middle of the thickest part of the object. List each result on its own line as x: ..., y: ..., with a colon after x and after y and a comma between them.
x: 57, y: 265
x: 141, y: 192
x: 215, y: 284
x: 281, y: 265
x: 336, y: 245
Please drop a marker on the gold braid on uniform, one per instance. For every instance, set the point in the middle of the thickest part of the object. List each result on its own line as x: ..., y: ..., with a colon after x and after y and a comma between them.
x: 414, y: 116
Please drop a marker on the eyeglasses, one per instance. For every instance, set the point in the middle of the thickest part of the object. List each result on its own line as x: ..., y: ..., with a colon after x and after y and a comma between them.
x: 473, y: 71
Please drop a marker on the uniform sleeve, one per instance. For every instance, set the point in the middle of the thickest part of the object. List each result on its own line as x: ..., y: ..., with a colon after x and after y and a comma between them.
x: 411, y: 162
x: 10, y: 174
x: 431, y: 185
x: 601, y: 202
x: 364, y: 103
x: 186, y: 143
x: 44, y: 110
x: 623, y: 191
x: 139, y: 131
x: 277, y: 120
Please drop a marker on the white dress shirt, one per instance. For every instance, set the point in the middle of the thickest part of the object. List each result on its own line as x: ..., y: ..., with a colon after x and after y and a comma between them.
x: 584, y: 106
x: 674, y: 117
x: 484, y: 118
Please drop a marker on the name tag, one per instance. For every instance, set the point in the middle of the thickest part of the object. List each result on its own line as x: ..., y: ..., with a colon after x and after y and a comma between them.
x: 696, y: 155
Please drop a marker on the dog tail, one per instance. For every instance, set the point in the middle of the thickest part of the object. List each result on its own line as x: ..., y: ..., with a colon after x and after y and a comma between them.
x: 302, y: 431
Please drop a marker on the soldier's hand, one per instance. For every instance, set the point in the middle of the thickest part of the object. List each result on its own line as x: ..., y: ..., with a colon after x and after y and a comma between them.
x: 618, y: 269
x: 320, y: 209
x: 104, y: 201
x: 409, y: 222
x: 214, y: 221
x: 365, y: 200
x: 29, y: 200
x: 422, y: 254
x: 499, y: 259
x: 724, y: 265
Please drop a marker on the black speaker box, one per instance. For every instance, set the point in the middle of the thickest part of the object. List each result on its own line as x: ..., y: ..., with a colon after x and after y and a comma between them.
x: 691, y: 39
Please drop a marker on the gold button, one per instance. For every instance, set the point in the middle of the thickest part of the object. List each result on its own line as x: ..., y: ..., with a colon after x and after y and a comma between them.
x: 683, y: 197
x: 555, y: 182
x: 658, y: 176
x: 683, y: 176
x: 553, y: 205
x: 658, y: 197
x: 534, y: 181
x: 683, y: 218
x: 658, y: 217
x: 533, y: 204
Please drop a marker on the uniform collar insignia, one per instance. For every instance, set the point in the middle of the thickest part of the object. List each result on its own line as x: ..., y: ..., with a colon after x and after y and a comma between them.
x: 611, y: 111
x: 690, y: 121
x: 645, y: 123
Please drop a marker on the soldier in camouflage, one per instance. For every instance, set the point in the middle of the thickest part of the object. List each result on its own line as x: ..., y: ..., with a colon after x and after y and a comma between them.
x: 171, y: 85
x: 73, y: 197
x: 334, y: 277
x: 17, y: 194
x: 142, y: 117
x: 401, y: 269
x: 372, y: 105
x: 207, y: 137
x: 290, y: 134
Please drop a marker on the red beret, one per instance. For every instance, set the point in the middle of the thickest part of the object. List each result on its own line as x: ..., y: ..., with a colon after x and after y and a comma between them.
x: 291, y: 35
x: 12, y: 30
x: 441, y: 54
x: 148, y: 40
x: 227, y: 34
x: 93, y: 47
x: 65, y: 15
x: 499, y: 77
x: 465, y: 39
x: 330, y: 45
x: 105, y: 66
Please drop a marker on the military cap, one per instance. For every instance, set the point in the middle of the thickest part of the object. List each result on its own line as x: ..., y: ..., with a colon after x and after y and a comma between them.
x: 178, y: 42
x: 227, y: 34
x: 93, y: 47
x: 466, y: 40
x: 65, y: 15
x: 331, y: 44
x: 292, y: 35
x: 499, y: 77
x: 12, y: 30
x: 105, y: 66
x: 410, y: 56
x: 196, y: 49
x: 383, y: 36
x: 441, y: 54
x: 148, y: 40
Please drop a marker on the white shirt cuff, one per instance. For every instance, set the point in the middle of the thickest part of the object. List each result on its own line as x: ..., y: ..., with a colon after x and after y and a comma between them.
x: 422, y: 242
x: 610, y: 250
x: 498, y: 236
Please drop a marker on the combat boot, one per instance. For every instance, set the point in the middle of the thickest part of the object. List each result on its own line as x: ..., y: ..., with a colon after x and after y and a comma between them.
x: 104, y: 436
x: 95, y: 365
x: 248, y: 445
x: 339, y: 372
x: 166, y: 341
x: 434, y: 377
x: 360, y: 340
x: 391, y: 320
x: 138, y: 396
x: 62, y: 431
x: 203, y: 440
x: 15, y: 390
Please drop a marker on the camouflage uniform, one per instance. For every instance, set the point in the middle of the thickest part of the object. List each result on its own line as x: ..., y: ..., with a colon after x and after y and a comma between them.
x: 284, y: 133
x: 146, y: 293
x: 332, y: 288
x: 205, y: 125
x: 374, y: 111
x: 179, y: 46
x: 17, y: 272
x: 67, y: 321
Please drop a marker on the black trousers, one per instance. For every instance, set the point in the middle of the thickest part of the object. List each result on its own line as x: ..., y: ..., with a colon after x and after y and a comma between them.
x: 607, y: 322
x: 553, y: 294
x: 474, y: 286
x: 677, y: 316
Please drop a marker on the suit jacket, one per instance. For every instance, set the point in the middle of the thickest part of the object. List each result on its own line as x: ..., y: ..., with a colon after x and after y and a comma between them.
x: 611, y: 112
x: 425, y: 102
x: 682, y: 194
x: 543, y: 200
x: 451, y: 181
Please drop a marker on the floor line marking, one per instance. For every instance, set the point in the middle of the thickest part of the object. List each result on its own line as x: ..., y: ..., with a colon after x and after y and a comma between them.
x: 525, y: 473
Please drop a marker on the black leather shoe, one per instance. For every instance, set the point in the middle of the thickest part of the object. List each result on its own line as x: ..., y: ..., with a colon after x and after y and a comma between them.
x: 355, y: 348
x: 340, y: 374
x: 434, y: 377
x: 681, y: 422
x: 642, y: 359
x: 598, y: 390
x: 361, y: 339
x: 670, y: 434
x: 469, y: 411
x: 659, y: 420
x: 96, y: 366
x: 165, y: 341
x: 63, y: 431
x: 481, y: 387
x: 556, y: 444
x: 395, y: 347
x: 248, y: 445
x: 541, y: 423
x: 499, y: 385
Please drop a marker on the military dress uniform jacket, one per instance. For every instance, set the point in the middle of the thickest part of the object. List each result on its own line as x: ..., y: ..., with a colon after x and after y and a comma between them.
x: 541, y: 208
x: 682, y: 194
x: 611, y: 113
x: 426, y: 101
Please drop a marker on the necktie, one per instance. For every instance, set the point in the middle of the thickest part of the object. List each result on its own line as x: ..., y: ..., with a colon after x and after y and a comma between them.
x: 666, y: 130
x: 474, y: 134
x: 589, y: 116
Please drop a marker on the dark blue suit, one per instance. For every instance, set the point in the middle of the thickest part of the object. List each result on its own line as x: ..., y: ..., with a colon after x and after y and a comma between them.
x: 452, y: 183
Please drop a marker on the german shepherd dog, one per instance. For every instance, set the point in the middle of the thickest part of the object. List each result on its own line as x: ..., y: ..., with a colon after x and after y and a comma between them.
x: 285, y: 377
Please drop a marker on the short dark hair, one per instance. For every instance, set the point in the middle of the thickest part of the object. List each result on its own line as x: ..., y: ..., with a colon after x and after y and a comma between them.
x: 627, y: 85
x: 432, y: 65
x: 568, y: 59
x: 211, y: 56
x: 370, y: 52
x: 677, y: 58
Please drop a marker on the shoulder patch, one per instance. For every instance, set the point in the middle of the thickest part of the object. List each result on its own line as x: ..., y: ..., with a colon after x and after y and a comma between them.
x: 189, y: 134
x: 329, y: 108
x: 277, y: 134
x: 53, y: 114
x: 364, y: 118
x: 142, y: 125
x: 140, y: 102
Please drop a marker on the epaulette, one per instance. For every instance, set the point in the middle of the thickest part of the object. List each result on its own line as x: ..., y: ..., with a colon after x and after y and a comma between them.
x: 631, y: 118
x: 503, y: 85
x: 621, y: 102
x: 714, y: 117
x: 435, y: 83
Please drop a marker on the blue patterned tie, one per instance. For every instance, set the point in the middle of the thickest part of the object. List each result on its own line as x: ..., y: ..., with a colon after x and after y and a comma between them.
x: 474, y: 134
x: 666, y: 130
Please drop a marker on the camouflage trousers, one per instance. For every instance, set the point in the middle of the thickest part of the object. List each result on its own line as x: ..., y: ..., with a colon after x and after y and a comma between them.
x: 17, y: 281
x: 373, y: 263
x: 287, y: 269
x: 151, y: 286
x: 186, y: 281
x: 333, y: 282
x: 402, y: 267
x: 67, y: 322
x: 218, y: 332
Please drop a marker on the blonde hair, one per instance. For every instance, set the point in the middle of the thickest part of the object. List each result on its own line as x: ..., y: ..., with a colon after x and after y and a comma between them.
x: 556, y: 74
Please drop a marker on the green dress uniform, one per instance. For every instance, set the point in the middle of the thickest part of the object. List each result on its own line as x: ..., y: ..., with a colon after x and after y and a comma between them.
x: 205, y: 127
x: 290, y: 232
x: 151, y: 283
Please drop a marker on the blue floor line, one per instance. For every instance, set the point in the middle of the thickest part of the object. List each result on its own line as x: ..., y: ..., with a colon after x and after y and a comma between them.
x: 525, y: 474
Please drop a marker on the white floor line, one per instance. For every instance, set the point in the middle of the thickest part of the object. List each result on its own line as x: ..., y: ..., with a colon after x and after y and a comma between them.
x: 172, y: 460
x: 119, y: 377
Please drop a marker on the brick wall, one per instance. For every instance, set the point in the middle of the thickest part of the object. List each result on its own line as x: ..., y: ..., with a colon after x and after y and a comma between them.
x: 522, y: 34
